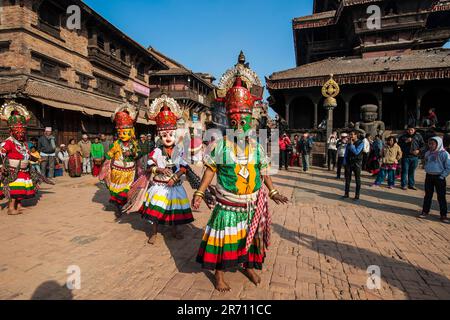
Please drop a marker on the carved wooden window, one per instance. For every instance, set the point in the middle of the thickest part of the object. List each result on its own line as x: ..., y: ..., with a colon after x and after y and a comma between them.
x: 141, y: 71
x: 49, y: 19
x: 390, y: 8
x: 142, y: 100
x: 113, y: 50
x: 49, y: 14
x: 50, y: 69
x: 100, y: 42
x: 108, y: 87
x: 123, y: 56
x: 84, y: 81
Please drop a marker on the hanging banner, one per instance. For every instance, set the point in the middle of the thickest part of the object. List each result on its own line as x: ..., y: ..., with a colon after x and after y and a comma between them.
x: 139, y: 88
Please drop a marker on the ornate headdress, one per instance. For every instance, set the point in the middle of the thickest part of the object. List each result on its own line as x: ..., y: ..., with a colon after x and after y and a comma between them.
x: 240, y: 87
x: 239, y: 99
x: 15, y: 114
x: 125, y: 116
x: 165, y: 112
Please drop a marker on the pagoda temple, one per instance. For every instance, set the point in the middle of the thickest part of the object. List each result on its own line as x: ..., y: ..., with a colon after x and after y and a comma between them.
x: 387, y: 53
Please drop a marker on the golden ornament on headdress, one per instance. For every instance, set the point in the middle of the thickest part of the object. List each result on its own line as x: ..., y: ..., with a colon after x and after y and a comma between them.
x: 126, y: 107
x: 330, y: 91
x: 248, y: 77
x: 164, y: 101
x: 9, y: 106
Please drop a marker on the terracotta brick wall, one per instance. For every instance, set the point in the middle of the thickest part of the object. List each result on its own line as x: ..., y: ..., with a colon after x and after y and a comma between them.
x: 71, y: 48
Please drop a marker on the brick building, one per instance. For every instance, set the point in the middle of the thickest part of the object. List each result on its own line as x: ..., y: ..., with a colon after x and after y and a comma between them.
x: 74, y: 79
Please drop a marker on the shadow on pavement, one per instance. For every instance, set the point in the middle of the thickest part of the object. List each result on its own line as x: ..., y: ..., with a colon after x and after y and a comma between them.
x: 364, y: 203
x: 346, y: 254
x: 51, y: 290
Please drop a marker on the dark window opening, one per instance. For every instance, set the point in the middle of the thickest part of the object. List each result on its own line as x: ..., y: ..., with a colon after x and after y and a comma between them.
x: 84, y: 81
x: 142, y: 100
x: 391, y: 8
x: 123, y: 56
x: 49, y: 14
x: 113, y: 50
x: 141, y: 70
x: 50, y: 69
x: 100, y: 42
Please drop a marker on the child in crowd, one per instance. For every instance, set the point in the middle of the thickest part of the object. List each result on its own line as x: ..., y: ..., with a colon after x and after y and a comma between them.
x: 437, y: 167
x: 391, y: 155
x: 35, y: 164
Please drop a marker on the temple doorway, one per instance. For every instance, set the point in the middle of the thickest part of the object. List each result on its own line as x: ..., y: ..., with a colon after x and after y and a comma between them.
x: 437, y: 99
x: 301, y: 114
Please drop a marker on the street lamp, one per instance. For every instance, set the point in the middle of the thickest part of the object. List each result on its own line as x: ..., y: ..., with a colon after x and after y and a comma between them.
x: 330, y: 91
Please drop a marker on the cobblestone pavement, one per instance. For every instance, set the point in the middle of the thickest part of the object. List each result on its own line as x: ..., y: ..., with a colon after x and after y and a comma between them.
x: 321, y: 247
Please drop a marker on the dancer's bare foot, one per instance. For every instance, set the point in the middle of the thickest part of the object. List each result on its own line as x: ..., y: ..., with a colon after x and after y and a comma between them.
x: 152, y: 239
x: 13, y: 212
x: 253, y: 276
x: 221, y: 285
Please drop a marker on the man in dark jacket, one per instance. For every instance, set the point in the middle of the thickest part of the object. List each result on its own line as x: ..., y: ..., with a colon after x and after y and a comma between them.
x: 353, y: 160
x: 412, y: 145
x: 305, y: 146
x: 47, y: 148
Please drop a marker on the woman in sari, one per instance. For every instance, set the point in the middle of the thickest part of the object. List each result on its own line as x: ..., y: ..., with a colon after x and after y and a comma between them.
x: 75, y: 166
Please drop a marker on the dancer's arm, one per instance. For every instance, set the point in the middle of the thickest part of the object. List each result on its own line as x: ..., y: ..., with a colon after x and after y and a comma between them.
x: 278, y: 198
x: 208, y: 176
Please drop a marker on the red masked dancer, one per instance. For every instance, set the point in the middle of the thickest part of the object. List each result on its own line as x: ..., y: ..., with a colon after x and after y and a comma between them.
x: 17, y: 184
x: 237, y: 233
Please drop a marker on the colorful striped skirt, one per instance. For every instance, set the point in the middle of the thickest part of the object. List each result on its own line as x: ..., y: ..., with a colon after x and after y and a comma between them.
x: 223, y: 246
x: 22, y: 188
x: 167, y: 205
x: 121, y: 180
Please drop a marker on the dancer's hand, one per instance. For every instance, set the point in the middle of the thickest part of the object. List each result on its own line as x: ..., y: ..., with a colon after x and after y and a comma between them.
x: 166, y: 172
x: 280, y: 199
x: 196, y: 202
x: 171, y: 183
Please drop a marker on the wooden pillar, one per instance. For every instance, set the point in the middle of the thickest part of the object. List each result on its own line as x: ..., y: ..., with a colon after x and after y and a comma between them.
x: 405, y: 114
x: 288, y: 115
x: 316, y: 115
x: 418, y: 103
x: 380, y: 109
x: 347, y: 113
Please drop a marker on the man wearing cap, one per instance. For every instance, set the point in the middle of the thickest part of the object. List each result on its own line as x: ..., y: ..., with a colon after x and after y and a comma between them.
x: 341, y: 146
x: 85, y: 146
x: 47, y: 148
x: 63, y: 157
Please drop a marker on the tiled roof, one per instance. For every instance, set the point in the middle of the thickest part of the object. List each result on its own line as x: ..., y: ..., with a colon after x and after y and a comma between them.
x: 62, y: 97
x: 418, y: 65
x: 316, y: 16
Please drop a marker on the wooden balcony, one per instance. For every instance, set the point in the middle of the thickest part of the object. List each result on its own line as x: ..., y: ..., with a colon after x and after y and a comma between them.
x: 100, y: 58
x: 181, y: 95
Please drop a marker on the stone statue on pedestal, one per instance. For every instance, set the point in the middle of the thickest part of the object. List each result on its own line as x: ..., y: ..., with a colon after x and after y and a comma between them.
x: 369, y: 123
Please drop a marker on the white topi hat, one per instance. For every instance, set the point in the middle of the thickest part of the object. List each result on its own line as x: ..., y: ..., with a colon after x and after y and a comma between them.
x: 48, y: 129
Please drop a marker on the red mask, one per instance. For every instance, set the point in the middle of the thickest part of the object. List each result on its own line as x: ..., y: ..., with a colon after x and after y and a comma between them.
x: 19, y: 133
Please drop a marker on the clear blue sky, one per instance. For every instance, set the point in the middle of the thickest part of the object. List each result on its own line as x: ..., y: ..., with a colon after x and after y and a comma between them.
x: 207, y: 35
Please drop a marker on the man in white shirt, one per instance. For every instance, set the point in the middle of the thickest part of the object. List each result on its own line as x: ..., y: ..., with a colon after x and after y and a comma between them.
x: 63, y: 157
x: 366, y: 150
